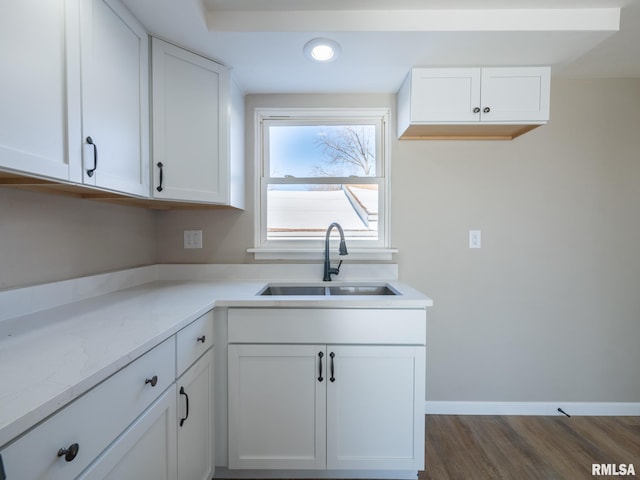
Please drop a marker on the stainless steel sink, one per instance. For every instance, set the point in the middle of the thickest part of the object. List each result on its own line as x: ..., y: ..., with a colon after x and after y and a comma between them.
x: 362, y: 290
x: 322, y: 290
x: 293, y: 290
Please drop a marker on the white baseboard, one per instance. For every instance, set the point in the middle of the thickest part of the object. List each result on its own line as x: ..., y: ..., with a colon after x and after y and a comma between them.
x: 223, y: 472
x: 533, y: 408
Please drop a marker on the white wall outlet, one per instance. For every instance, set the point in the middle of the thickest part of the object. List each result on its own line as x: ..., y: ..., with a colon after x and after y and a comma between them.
x: 475, y: 239
x: 193, y: 239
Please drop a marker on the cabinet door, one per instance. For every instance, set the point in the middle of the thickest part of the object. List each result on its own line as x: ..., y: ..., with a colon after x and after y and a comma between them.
x: 375, y: 408
x: 277, y: 400
x: 515, y: 94
x: 445, y: 95
x: 190, y: 126
x: 40, y: 59
x: 195, y: 420
x: 114, y: 98
x: 147, y: 449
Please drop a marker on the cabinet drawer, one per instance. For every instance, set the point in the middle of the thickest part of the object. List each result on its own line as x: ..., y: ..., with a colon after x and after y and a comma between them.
x: 92, y: 421
x: 327, y: 325
x: 193, y: 341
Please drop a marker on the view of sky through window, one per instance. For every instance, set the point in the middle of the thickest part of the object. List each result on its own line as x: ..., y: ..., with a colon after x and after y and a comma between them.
x: 322, y: 150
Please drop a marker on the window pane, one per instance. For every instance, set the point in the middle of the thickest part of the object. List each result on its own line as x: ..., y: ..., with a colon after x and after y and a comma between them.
x: 322, y: 150
x: 296, y: 211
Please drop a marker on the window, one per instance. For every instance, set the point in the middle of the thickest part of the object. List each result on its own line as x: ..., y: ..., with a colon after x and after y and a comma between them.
x: 316, y: 167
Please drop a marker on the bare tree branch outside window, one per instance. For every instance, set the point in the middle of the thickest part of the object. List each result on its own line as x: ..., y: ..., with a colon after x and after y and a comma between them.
x: 350, y: 150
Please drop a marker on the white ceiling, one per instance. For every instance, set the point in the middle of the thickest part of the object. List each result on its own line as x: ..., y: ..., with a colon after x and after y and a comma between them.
x: 262, y: 40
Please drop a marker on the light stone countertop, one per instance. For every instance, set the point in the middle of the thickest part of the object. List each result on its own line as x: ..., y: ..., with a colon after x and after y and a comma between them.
x: 51, y: 356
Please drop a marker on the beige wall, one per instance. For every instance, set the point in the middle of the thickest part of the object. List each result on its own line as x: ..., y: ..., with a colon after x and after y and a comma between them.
x: 547, y: 310
x: 44, y: 238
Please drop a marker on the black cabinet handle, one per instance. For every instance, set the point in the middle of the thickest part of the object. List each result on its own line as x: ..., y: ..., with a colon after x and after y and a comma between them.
x: 476, y: 110
x: 159, y: 187
x: 320, y: 355
x: 333, y: 378
x: 201, y: 339
x: 182, y: 392
x: 486, y: 110
x: 95, y: 157
x: 69, y: 453
x: 153, y: 381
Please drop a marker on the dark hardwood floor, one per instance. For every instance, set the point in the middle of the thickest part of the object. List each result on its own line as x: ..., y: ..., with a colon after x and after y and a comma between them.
x: 524, y: 447
x: 477, y: 447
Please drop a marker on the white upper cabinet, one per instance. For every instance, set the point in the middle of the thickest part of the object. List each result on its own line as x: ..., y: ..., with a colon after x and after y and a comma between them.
x: 73, y: 70
x: 191, y: 117
x: 36, y: 36
x: 515, y: 94
x: 445, y: 95
x: 115, y: 98
x: 498, y: 103
x: 75, y: 93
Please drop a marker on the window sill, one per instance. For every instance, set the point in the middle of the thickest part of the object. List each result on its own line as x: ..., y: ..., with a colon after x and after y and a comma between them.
x: 318, y: 254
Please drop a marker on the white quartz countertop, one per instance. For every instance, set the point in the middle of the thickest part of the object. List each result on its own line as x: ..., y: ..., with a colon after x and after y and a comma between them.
x: 51, y: 356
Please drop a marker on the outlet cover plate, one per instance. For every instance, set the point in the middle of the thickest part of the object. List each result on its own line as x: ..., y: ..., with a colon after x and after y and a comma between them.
x: 475, y: 239
x: 193, y: 239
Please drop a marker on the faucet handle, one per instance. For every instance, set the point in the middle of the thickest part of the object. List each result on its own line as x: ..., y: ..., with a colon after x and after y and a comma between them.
x: 333, y: 271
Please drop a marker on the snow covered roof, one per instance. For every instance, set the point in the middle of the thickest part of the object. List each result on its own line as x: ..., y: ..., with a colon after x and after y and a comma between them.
x: 311, y: 211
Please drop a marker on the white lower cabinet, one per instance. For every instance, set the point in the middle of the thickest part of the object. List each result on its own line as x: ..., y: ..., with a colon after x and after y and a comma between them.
x: 375, y: 420
x: 329, y: 407
x: 195, y: 420
x: 140, y: 423
x: 276, y: 406
x: 145, y: 450
x: 62, y: 446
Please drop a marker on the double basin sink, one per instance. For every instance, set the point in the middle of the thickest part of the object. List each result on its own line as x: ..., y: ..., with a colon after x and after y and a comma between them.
x: 328, y: 290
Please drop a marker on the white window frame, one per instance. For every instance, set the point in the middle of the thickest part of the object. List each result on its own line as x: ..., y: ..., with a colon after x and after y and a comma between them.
x: 302, y: 249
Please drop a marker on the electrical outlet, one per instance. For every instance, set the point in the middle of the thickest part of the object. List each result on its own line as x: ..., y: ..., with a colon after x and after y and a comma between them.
x: 193, y: 239
x: 475, y: 239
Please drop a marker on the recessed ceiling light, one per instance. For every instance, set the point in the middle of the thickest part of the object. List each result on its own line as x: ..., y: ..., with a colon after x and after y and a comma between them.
x: 322, y: 50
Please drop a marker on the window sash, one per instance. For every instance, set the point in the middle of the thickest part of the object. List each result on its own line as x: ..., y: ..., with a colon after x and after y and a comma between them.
x: 265, y: 119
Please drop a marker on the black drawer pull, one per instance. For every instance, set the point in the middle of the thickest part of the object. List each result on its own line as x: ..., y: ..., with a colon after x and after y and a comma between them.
x: 182, y: 392
x: 320, y: 355
x: 69, y: 453
x: 153, y: 381
x: 95, y: 157
x: 333, y: 378
x: 201, y: 339
x: 159, y: 187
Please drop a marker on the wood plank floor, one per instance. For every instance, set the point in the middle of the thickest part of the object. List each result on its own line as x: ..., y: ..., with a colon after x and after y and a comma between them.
x: 524, y: 447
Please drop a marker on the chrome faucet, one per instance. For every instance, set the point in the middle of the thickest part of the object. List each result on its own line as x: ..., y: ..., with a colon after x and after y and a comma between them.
x: 328, y: 271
